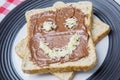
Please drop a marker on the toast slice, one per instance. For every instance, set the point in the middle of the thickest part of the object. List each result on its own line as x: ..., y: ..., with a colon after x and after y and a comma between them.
x: 83, y: 64
x: 99, y: 31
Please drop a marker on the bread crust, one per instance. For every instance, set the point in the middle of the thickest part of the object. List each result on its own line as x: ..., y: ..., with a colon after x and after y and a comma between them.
x: 99, y: 30
x: 83, y: 64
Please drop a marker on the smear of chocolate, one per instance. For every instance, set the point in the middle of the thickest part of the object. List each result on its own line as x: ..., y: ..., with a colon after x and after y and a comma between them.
x: 58, y: 37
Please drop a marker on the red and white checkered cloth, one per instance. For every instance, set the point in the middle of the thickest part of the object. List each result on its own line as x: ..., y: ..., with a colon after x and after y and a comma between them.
x: 6, y: 6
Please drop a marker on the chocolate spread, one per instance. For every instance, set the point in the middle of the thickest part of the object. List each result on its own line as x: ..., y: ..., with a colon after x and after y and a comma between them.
x: 58, y: 37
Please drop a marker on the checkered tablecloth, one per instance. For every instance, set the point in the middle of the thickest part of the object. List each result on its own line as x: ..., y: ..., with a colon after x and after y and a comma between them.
x: 6, y: 6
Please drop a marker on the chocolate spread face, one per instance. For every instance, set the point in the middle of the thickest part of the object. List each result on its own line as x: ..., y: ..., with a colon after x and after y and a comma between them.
x: 58, y: 37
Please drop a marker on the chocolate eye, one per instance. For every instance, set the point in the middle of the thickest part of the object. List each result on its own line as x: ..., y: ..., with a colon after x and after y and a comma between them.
x: 71, y: 22
x: 48, y: 25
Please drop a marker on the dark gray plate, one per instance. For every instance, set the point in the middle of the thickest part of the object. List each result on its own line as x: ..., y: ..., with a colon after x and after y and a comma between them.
x: 107, y: 10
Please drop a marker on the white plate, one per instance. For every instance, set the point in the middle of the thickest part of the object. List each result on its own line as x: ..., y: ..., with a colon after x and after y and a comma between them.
x: 101, y: 49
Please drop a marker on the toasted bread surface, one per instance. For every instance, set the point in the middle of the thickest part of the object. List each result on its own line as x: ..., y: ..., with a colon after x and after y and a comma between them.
x: 84, y: 64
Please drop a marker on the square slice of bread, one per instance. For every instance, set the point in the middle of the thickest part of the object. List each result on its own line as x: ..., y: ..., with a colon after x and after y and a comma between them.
x: 99, y: 30
x: 84, y: 64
